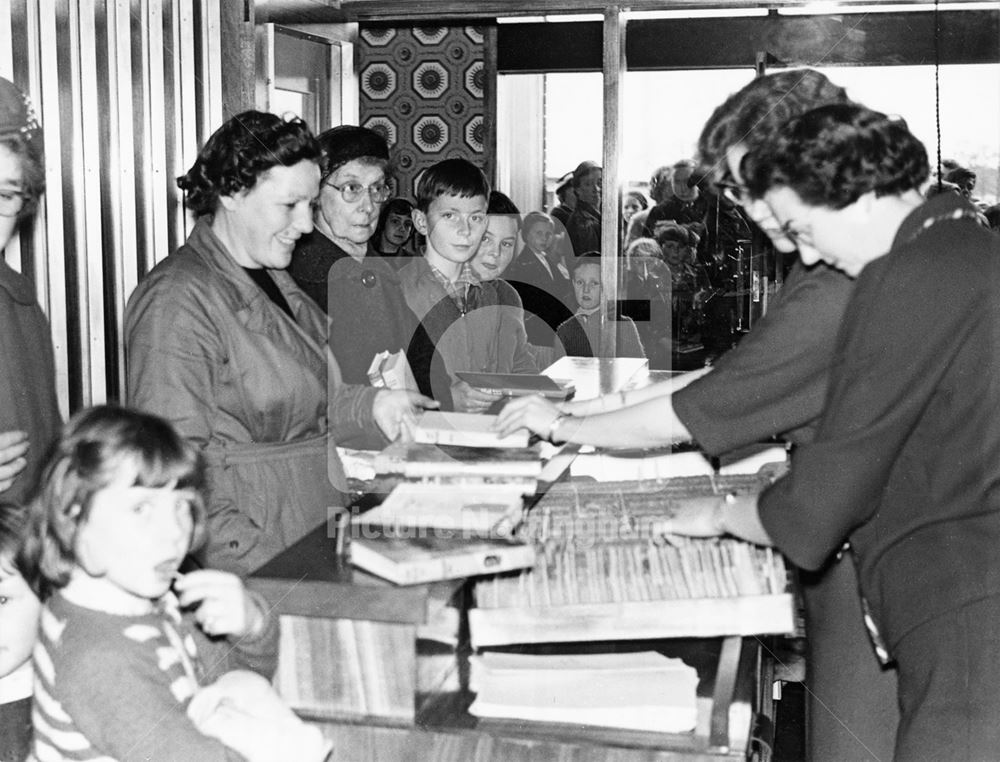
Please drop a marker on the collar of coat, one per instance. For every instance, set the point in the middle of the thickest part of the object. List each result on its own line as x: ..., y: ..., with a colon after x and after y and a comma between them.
x: 15, y: 284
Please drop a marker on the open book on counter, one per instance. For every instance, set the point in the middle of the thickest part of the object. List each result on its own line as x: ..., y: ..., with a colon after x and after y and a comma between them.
x: 483, y: 510
x: 431, y: 556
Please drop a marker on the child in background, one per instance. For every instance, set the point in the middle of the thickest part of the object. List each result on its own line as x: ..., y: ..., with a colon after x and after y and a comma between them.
x: 19, y: 610
x: 496, y: 249
x: 126, y: 642
x: 580, y: 335
x: 393, y: 236
x: 470, y: 327
x: 542, y: 280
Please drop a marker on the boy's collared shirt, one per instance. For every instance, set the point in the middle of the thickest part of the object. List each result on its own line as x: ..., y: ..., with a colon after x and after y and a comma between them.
x: 463, y: 289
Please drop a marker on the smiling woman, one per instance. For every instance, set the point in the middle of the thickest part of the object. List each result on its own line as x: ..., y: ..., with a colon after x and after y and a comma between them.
x: 222, y: 342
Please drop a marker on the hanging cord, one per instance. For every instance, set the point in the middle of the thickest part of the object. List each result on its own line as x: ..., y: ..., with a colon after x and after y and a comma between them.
x: 937, y: 89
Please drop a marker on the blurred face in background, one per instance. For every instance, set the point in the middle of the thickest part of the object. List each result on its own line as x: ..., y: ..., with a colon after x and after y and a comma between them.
x: 676, y: 253
x: 587, y: 286
x: 539, y: 236
x: 11, y: 189
x: 496, y: 250
x: 397, y: 231
x: 630, y: 207
x: 679, y: 184
x: 589, y: 189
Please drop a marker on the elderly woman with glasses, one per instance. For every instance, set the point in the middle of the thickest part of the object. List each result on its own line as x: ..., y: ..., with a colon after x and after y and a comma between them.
x: 223, y: 343
x: 338, y: 267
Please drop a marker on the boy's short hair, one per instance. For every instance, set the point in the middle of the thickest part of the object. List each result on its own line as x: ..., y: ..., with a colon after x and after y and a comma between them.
x: 535, y: 218
x: 502, y: 204
x: 91, y: 449
x: 452, y: 177
x: 588, y: 258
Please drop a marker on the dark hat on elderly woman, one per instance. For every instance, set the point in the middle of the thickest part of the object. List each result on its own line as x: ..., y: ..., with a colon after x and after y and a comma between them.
x: 583, y: 169
x: 17, y: 117
x: 348, y: 142
x: 563, y: 182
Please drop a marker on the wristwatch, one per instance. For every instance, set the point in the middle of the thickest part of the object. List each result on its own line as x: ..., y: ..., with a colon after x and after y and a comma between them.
x: 554, y: 427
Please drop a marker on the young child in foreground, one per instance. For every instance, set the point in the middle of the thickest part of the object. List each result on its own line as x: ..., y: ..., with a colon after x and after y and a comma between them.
x: 19, y: 609
x: 134, y: 660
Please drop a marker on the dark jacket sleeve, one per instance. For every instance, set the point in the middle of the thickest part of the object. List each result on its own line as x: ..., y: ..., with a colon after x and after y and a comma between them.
x: 775, y: 381
x: 895, y: 348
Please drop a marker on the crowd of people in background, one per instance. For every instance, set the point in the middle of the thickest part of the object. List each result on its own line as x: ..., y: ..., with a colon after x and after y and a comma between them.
x: 250, y: 353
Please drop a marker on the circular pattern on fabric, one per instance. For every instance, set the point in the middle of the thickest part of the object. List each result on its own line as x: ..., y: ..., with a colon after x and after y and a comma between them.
x: 457, y: 106
x: 430, y: 35
x: 457, y: 53
x: 475, y: 79
x: 378, y: 81
x: 405, y: 160
x: 378, y: 36
x: 475, y: 134
x: 475, y: 33
x: 430, y: 79
x: 405, y: 106
x: 384, y: 127
x: 404, y: 53
x: 430, y: 134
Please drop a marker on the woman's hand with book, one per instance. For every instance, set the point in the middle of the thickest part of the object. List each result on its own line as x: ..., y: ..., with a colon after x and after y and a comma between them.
x: 395, y: 412
x: 534, y: 413
x: 468, y: 399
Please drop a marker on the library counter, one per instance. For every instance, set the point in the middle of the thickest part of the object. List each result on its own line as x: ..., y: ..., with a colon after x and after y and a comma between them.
x: 384, y: 670
x: 352, y: 661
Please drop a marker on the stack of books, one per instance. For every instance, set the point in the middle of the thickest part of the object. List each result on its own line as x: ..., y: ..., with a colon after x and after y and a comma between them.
x: 643, y: 691
x: 453, y: 510
x: 455, y: 452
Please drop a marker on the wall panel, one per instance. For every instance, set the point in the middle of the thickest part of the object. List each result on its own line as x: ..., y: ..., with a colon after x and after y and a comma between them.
x: 126, y: 91
x: 425, y: 89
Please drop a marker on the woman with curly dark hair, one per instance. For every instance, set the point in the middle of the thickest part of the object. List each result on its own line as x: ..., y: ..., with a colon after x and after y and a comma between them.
x: 223, y: 343
x: 906, y: 461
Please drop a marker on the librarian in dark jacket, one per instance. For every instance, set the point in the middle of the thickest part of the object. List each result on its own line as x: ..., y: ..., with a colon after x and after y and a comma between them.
x: 338, y: 267
x: 906, y: 461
